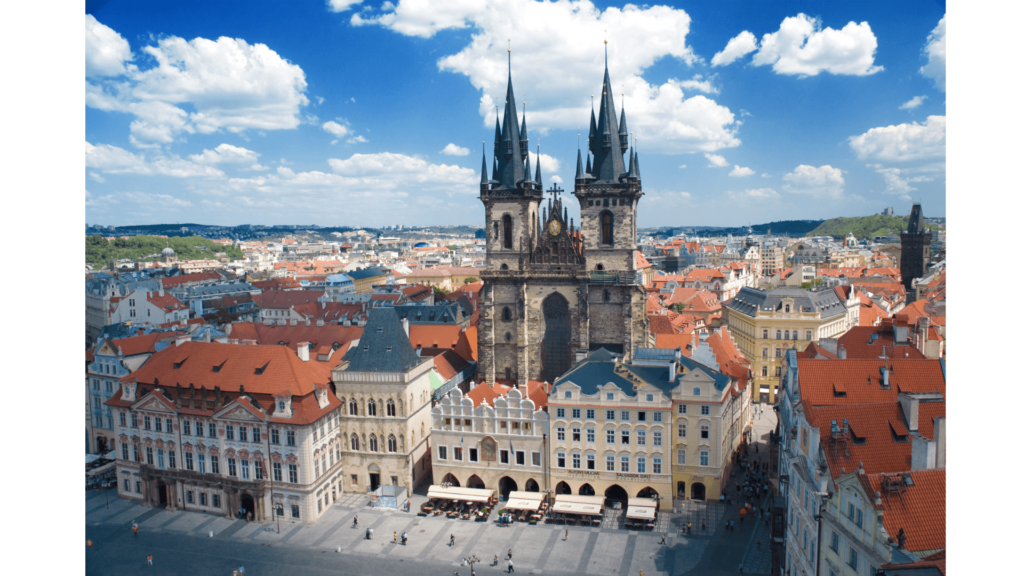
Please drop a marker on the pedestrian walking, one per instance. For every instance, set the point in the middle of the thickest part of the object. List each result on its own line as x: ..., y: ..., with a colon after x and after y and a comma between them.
x: 757, y: 448
x: 510, y: 554
x: 135, y: 530
x: 495, y: 560
x: 689, y: 527
x: 149, y: 559
x: 395, y: 537
x: 355, y: 521
x: 663, y: 538
x: 241, y: 571
x: 566, y: 534
x: 451, y: 541
x: 248, y: 517
x: 510, y: 568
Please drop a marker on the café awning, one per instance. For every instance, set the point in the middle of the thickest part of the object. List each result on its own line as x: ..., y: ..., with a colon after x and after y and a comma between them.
x: 641, y: 508
x: 460, y: 494
x: 571, y: 504
x: 524, y: 501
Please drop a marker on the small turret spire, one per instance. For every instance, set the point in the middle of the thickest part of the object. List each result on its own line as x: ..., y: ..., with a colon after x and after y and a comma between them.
x: 537, y: 179
x: 524, y: 141
x: 636, y: 161
x: 589, y: 168
x: 579, y: 160
x: 483, y: 166
x: 526, y: 176
x: 623, y: 131
x: 497, y: 133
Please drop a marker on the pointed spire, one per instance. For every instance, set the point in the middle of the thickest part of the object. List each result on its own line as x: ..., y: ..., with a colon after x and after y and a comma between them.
x: 483, y: 166
x: 579, y: 164
x: 589, y: 169
x: 537, y: 179
x: 630, y: 163
x: 497, y: 134
x: 524, y: 141
x: 636, y: 162
x: 623, y: 131
x: 526, y: 177
x: 592, y: 138
x: 510, y: 157
x: 608, y: 165
x: 494, y: 169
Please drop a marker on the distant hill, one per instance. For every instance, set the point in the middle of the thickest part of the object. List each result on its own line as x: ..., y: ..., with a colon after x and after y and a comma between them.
x: 862, y: 226
x: 788, y: 227
x: 99, y: 252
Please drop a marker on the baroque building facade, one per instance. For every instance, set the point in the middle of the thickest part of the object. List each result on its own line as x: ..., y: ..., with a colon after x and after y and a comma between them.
x: 554, y: 291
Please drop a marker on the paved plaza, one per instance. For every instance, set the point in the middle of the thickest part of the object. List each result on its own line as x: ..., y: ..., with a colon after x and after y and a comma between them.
x: 180, y: 542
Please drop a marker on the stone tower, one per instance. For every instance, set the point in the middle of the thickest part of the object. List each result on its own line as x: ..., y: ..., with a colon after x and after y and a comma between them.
x: 545, y: 279
x: 915, y: 250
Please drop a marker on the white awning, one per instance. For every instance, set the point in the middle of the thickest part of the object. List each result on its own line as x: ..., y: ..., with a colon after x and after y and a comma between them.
x: 524, y: 501
x: 642, y: 508
x: 460, y: 494
x: 570, y: 504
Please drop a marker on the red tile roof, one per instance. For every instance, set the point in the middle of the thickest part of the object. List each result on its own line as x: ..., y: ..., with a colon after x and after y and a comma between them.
x: 186, y: 279
x: 673, y: 341
x: 278, y: 284
x: 937, y: 561
x: 858, y: 343
x: 467, y: 344
x: 641, y: 262
x: 447, y: 363
x: 535, y: 391
x: 274, y: 335
x: 145, y: 344
x: 286, y: 299
x: 434, y: 335
x: 659, y: 324
x: 920, y: 510
x: 167, y: 302
x: 861, y: 379
x: 873, y: 437
x: 704, y: 275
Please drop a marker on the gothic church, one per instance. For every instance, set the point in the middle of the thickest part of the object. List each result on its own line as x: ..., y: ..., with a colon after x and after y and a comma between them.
x: 554, y: 291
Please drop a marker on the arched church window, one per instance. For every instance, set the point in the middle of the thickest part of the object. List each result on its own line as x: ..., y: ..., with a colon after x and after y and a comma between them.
x: 607, y: 296
x: 508, y: 336
x: 371, y: 408
x: 392, y: 444
x: 504, y: 266
x: 506, y: 224
x: 600, y: 267
x: 606, y: 228
x: 391, y: 407
x: 506, y: 314
x: 354, y: 442
x: 373, y: 442
x: 353, y: 408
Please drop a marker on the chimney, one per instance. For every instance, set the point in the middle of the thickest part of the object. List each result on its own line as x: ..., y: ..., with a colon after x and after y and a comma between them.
x: 209, y: 336
x: 405, y: 326
x: 922, y: 453
x: 302, y: 348
x: 307, y: 321
x: 319, y: 321
x: 161, y: 290
x: 910, y: 405
x: 842, y: 353
x: 228, y: 327
x: 472, y: 384
x: 923, y: 323
x: 293, y: 322
x: 940, y: 442
x: 181, y: 339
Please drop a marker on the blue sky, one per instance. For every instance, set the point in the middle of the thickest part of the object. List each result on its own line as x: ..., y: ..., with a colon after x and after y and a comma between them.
x: 372, y: 113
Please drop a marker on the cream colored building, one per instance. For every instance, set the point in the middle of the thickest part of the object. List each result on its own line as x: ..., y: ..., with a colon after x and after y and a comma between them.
x: 501, y: 446
x: 765, y: 323
x: 384, y: 388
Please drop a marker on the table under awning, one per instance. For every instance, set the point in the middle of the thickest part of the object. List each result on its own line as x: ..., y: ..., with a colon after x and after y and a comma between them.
x: 460, y: 494
x: 570, y: 504
x: 524, y: 501
x: 642, y: 508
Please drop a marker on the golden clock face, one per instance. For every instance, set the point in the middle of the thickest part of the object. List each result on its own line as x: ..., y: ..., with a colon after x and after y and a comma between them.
x: 555, y: 227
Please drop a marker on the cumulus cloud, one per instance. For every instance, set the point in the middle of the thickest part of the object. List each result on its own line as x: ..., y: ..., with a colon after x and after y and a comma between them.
x: 821, y: 181
x: 558, y: 40
x: 556, y: 179
x: 356, y: 140
x: 453, y: 150
x: 334, y: 128
x: 802, y: 47
x: 697, y: 83
x: 913, y: 103
x: 903, y: 143
x: 341, y: 5
x: 106, y: 51
x: 226, y: 84
x: 935, y: 50
x: 96, y: 177
x: 739, y: 171
x: 716, y: 161
x: 753, y: 195
x: 549, y: 164
x: 738, y: 47
x: 113, y: 160
x: 226, y: 154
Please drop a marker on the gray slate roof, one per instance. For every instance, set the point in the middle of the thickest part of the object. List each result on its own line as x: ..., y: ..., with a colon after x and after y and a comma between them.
x: 598, y: 369
x: 365, y: 273
x: 384, y: 345
x: 436, y: 314
x: 825, y: 301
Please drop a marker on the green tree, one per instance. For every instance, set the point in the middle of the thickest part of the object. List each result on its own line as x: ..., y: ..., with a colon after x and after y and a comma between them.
x: 470, y: 280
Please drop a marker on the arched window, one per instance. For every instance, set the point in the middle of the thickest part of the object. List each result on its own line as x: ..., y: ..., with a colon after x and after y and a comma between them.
x: 504, y: 266
x: 606, y: 228
x: 508, y: 336
x: 778, y: 334
x: 607, y: 296
x: 506, y: 314
x: 600, y: 267
x: 355, y: 442
x: 787, y: 334
x: 371, y: 408
x: 392, y: 443
x: 373, y: 442
x: 353, y: 408
x: 506, y: 225
x: 391, y: 407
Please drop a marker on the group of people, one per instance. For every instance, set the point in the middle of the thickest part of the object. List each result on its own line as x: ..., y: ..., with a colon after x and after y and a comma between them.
x: 504, y: 519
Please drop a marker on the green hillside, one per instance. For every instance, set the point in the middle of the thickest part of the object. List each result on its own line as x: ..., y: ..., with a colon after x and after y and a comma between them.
x: 100, y: 252
x: 862, y: 226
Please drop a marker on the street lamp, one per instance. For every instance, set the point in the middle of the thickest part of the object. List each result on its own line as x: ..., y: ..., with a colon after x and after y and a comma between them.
x: 471, y: 559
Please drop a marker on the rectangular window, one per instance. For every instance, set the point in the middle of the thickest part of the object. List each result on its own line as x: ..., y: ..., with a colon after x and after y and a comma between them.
x: 520, y: 458
x: 854, y: 557
x: 682, y: 408
x: 764, y: 352
x: 216, y: 500
x: 316, y: 468
x: 135, y: 452
x: 230, y: 432
x: 609, y: 414
x: 293, y: 473
x: 590, y: 413
x: 590, y: 434
x: 170, y: 459
x: 575, y: 434
x: 160, y: 458
x: 656, y: 466
x: 609, y: 436
x: 442, y: 452
x: 145, y: 422
x: 188, y: 461
x: 275, y: 436
x: 232, y: 470
x: 808, y: 336
x: 625, y: 415
x: 473, y: 455
x: 290, y: 437
x: 202, y: 498
x: 319, y: 505
x: 457, y: 453
x: 591, y: 462
x: 609, y: 463
x: 657, y: 416
x: 778, y: 352
x: 186, y: 427
x: 213, y: 430
x: 576, y: 461
x: 609, y: 396
x: 625, y: 437
x: 535, y: 458
x: 127, y: 485
x: 704, y: 457
x: 641, y: 465
x: 764, y: 334
x: 860, y: 518
x: 682, y: 430
x: 121, y: 418
x: 277, y: 471
x: 641, y: 438
x: 245, y: 469
x: 295, y: 510
x: 503, y: 456
x: 202, y: 463
x: 561, y: 459
x: 705, y: 410
x: 624, y: 464
x: 834, y: 545
x: 705, y: 431
x: 138, y: 487
x: 214, y: 464
x: 170, y: 425
x: 189, y: 497
x: 576, y: 413
x: 657, y: 437
x: 560, y: 412
x: 124, y: 451
x: 243, y: 434
x: 641, y: 416
x: 560, y: 433
x: 149, y: 455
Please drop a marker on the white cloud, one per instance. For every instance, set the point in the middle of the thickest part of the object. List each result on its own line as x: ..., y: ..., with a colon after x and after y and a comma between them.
x: 285, y: 172
x: 821, y: 181
x: 561, y: 40
x: 156, y: 200
x: 904, y: 142
x: 696, y: 83
x: 935, y: 49
x: 336, y: 129
x: 738, y: 47
x: 716, y: 161
x: 96, y: 177
x: 556, y: 179
x: 341, y: 5
x: 739, y: 171
x: 913, y: 103
x: 226, y: 154
x: 754, y: 195
x: 356, y: 140
x: 898, y: 181
x: 113, y: 160
x: 453, y: 150
x: 682, y: 166
x: 227, y: 84
x: 802, y: 47
x: 106, y: 51
x: 549, y: 164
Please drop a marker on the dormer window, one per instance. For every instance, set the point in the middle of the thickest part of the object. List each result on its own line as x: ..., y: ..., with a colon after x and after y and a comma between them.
x: 787, y: 308
x: 568, y: 394
x: 280, y: 406
x: 696, y: 391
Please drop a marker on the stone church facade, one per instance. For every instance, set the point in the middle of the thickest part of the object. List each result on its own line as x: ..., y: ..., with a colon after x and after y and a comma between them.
x: 553, y: 290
